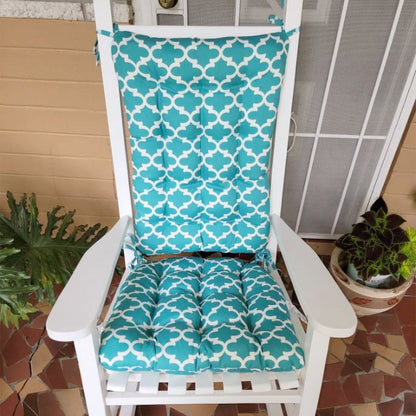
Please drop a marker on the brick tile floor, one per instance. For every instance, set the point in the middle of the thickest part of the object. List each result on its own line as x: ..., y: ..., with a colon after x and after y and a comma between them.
x: 371, y: 373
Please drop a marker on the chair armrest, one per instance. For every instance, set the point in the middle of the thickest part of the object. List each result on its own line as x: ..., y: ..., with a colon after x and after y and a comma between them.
x: 76, y: 311
x: 324, y: 304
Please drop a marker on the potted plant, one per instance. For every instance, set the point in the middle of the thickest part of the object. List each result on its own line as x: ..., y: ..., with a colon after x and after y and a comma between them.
x: 35, y: 258
x: 375, y: 263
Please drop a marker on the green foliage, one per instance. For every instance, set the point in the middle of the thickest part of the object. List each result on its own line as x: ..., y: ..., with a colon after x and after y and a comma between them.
x: 409, y: 250
x: 47, y: 254
x: 375, y: 245
x: 14, y: 289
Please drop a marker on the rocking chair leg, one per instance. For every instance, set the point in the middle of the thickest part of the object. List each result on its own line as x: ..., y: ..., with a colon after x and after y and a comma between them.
x: 92, y: 375
x: 316, y: 349
x: 129, y: 410
x: 292, y: 409
x: 272, y: 408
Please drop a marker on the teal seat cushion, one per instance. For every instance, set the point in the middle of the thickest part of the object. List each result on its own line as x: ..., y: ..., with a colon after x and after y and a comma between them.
x: 201, y: 115
x: 186, y: 315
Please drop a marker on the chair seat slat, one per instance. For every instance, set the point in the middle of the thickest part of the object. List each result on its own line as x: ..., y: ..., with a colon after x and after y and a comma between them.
x: 287, y: 380
x: 232, y: 382
x: 149, y: 383
x: 117, y: 381
x: 177, y: 384
x: 204, y: 383
x: 260, y: 382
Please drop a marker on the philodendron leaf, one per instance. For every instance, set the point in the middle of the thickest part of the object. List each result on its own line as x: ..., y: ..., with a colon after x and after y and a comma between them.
x: 52, y: 220
x: 35, y: 226
x: 378, y: 205
x: 394, y: 221
x: 15, y: 288
x: 50, y: 254
x: 6, y: 252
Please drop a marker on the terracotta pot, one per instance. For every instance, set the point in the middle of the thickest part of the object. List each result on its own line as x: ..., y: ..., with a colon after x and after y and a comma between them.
x: 365, y: 300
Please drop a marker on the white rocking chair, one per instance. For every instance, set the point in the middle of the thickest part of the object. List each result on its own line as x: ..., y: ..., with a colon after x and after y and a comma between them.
x: 75, y: 314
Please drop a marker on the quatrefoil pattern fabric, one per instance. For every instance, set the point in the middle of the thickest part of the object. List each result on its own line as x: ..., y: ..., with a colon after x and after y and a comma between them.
x: 201, y: 114
x: 187, y: 315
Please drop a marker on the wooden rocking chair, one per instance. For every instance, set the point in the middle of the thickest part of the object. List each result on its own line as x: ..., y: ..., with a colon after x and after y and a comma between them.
x: 201, y: 103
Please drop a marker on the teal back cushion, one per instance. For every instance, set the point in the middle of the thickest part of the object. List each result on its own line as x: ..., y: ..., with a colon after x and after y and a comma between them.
x: 201, y: 115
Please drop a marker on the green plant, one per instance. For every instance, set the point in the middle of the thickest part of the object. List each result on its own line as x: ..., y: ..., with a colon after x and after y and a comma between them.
x: 47, y: 254
x: 14, y: 289
x: 375, y: 245
x: 409, y: 250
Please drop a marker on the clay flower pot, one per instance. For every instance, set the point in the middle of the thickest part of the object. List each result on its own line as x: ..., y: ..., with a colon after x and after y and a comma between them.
x: 365, y: 300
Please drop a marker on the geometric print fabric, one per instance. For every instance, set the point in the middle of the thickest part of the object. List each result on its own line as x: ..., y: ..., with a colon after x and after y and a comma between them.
x: 187, y: 315
x: 201, y: 114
